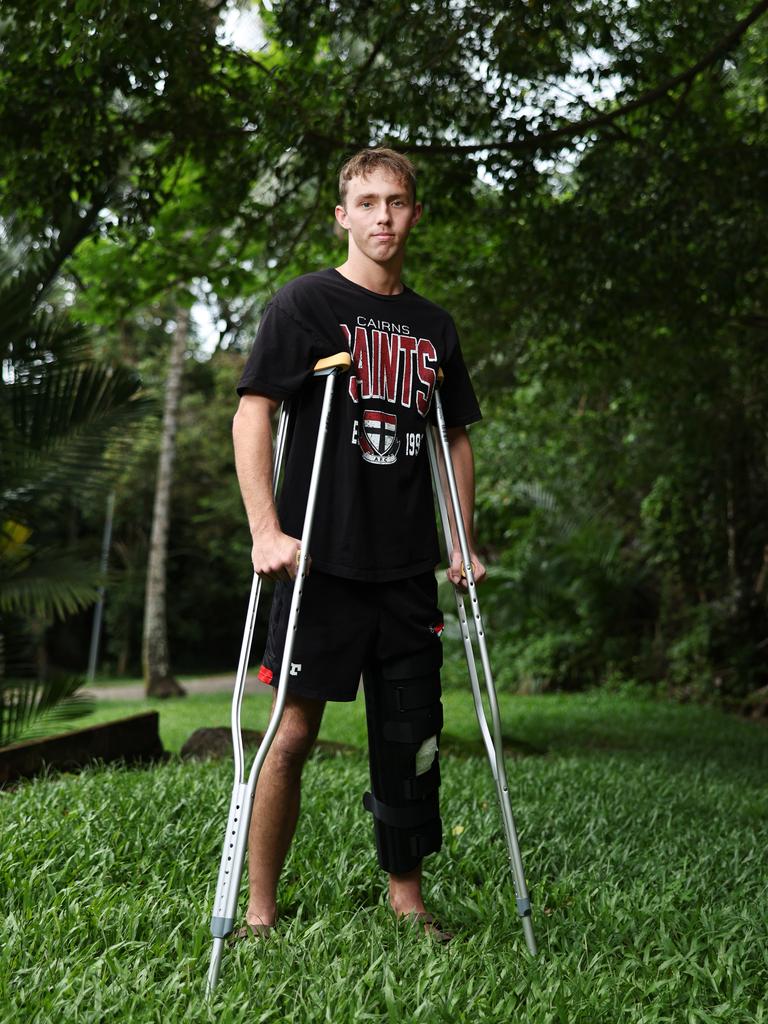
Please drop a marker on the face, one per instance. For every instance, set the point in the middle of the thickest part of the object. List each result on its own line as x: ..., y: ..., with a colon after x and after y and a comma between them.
x: 379, y: 215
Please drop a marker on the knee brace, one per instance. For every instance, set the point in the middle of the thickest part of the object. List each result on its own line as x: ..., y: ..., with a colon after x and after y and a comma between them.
x: 405, y: 717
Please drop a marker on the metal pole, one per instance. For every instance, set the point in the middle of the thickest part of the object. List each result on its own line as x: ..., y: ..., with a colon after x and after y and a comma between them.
x: 494, y: 747
x: 99, y: 609
x: 460, y: 610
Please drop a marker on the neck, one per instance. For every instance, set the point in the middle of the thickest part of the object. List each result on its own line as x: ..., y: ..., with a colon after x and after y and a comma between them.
x: 383, y: 278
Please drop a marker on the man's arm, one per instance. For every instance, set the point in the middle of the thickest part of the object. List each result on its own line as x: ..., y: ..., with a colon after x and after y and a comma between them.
x: 464, y: 470
x: 274, y: 553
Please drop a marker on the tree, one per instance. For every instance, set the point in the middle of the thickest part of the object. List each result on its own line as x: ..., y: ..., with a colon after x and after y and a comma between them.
x: 156, y: 660
x: 596, y: 183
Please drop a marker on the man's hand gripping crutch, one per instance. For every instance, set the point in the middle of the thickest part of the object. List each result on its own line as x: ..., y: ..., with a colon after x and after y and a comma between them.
x: 456, y: 539
x: 243, y: 790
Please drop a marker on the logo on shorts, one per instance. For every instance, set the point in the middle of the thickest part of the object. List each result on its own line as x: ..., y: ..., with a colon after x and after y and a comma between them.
x: 379, y: 443
x: 295, y: 668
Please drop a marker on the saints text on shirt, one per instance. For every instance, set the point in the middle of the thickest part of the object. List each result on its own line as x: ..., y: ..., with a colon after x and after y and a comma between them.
x: 394, y: 367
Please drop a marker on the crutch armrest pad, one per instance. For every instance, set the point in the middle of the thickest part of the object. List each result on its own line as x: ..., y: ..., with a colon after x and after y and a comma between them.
x: 341, y: 361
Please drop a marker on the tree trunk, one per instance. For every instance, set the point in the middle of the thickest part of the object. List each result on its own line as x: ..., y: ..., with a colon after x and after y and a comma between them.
x: 158, y: 678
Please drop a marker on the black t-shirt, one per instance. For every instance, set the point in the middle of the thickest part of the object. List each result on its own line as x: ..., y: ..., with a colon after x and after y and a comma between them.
x: 374, y: 517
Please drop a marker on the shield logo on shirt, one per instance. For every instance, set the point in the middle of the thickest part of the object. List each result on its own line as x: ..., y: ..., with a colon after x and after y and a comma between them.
x: 379, y: 443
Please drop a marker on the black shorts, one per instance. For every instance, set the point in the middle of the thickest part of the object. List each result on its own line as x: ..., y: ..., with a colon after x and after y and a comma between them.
x: 345, y: 625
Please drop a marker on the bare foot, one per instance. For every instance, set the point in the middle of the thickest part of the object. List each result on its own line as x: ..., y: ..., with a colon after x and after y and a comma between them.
x: 406, y: 900
x: 261, y: 918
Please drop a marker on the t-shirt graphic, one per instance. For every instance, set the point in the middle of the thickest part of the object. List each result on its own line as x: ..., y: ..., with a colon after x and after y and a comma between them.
x: 379, y: 444
x: 375, y: 517
x: 393, y: 367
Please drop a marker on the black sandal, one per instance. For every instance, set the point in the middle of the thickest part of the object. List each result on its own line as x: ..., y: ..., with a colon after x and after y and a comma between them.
x: 246, y: 931
x: 432, y: 928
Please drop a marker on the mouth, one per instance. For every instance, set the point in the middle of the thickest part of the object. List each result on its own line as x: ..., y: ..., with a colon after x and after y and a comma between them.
x: 383, y: 236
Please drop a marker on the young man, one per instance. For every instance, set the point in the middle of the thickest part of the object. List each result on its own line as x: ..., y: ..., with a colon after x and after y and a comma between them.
x: 369, y: 603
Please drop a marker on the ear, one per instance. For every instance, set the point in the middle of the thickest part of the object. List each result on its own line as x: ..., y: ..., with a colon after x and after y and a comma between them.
x: 418, y: 209
x: 341, y: 217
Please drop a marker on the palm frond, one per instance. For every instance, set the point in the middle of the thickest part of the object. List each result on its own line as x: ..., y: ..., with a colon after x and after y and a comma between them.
x: 31, y: 347
x: 65, y: 399
x: 46, y: 584
x: 28, y: 707
x: 537, y: 496
x: 27, y: 270
x: 69, y: 429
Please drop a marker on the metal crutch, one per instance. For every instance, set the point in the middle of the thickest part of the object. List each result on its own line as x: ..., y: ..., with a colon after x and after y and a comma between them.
x: 241, y: 803
x: 493, y: 744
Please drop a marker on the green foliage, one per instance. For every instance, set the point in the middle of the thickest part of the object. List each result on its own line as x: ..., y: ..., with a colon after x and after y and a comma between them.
x: 595, y: 183
x: 132, y: 85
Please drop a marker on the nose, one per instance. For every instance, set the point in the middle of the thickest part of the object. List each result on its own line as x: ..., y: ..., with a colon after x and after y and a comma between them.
x: 383, y: 213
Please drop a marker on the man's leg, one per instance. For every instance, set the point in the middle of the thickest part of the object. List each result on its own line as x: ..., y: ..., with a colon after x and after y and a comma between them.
x: 276, y: 804
x: 405, y: 892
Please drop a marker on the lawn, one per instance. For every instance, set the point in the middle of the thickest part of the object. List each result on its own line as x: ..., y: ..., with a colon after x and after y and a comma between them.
x: 643, y: 828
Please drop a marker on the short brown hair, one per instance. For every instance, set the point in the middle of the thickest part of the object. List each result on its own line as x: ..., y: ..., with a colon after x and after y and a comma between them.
x: 368, y: 160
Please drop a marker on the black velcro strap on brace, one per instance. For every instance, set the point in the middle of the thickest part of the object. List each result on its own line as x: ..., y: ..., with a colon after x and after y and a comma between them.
x: 402, y: 817
x: 418, y: 693
x: 423, y: 723
x: 424, y: 784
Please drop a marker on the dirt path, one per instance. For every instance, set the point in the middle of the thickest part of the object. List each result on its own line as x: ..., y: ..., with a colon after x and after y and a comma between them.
x: 207, y: 684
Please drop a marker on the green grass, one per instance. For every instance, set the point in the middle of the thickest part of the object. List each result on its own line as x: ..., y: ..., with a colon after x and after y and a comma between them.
x: 643, y: 828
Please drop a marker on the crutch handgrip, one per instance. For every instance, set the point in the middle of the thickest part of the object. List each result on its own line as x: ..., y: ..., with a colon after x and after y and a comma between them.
x: 341, y: 361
